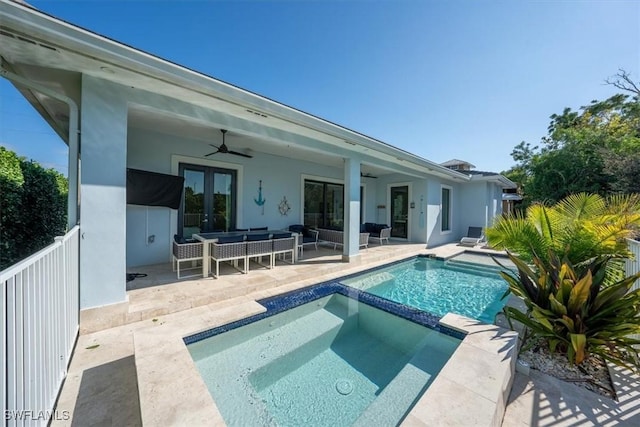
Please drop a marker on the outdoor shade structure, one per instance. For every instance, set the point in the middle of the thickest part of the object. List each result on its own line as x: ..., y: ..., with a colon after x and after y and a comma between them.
x: 146, y: 115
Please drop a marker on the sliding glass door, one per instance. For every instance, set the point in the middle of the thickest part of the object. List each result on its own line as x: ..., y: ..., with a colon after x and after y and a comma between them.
x: 209, y: 200
x: 324, y: 204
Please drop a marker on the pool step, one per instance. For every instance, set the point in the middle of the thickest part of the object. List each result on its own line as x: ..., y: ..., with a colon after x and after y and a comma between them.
x: 471, y: 268
x: 390, y: 406
x: 471, y: 264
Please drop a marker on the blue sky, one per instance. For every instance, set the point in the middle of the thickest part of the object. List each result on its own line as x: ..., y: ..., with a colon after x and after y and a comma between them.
x: 442, y: 79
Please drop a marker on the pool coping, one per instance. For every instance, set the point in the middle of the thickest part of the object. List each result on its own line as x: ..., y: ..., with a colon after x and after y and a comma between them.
x: 477, y: 377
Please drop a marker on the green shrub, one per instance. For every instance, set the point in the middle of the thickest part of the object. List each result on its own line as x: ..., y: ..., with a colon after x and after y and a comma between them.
x: 33, y: 207
x: 572, y: 308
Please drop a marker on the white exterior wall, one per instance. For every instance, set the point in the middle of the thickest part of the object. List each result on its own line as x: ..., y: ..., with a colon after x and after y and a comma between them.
x: 281, y: 177
x: 103, y: 192
x: 481, y: 204
x: 474, y: 212
x: 435, y: 235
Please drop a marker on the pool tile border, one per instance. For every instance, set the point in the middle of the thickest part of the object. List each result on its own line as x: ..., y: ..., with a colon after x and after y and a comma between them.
x: 285, y: 301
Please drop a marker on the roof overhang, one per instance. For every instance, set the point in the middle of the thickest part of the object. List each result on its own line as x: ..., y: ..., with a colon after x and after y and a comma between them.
x: 37, y: 45
x: 498, y: 179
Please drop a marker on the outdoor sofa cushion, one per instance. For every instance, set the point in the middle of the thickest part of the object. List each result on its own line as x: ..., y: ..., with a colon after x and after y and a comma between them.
x: 373, y: 229
x: 230, y: 239
x: 257, y: 237
x: 276, y: 236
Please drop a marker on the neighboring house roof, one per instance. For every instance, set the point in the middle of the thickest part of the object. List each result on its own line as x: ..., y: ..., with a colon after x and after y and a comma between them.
x: 456, y: 162
x: 32, y: 41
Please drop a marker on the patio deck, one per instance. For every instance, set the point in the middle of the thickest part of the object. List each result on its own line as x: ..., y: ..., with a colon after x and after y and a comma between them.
x: 102, y: 384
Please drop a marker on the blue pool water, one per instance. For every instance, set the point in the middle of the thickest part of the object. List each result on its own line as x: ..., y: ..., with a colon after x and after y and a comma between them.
x: 438, y: 287
x: 334, y: 361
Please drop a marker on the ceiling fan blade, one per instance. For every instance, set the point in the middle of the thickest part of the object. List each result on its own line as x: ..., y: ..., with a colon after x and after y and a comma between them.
x: 210, y: 154
x: 240, y: 154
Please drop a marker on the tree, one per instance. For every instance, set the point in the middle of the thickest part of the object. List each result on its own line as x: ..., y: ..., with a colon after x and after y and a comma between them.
x: 33, y: 203
x: 595, y: 149
x: 580, y: 227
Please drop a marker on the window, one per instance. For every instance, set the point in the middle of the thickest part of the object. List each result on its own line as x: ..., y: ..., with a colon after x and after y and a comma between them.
x: 445, y: 214
x: 323, y: 204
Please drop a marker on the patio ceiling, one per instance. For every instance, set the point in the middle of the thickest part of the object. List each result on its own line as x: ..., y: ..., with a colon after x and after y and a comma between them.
x: 56, y: 54
x: 237, y: 140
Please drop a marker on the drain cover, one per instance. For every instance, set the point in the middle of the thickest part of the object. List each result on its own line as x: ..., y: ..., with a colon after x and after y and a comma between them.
x: 344, y: 386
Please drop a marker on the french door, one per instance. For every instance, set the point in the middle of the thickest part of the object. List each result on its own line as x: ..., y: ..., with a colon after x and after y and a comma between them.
x: 209, y: 200
x: 399, y: 211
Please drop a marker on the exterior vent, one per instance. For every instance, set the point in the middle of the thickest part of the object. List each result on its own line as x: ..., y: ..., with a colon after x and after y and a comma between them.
x: 26, y: 40
x: 257, y: 113
x: 4, y: 33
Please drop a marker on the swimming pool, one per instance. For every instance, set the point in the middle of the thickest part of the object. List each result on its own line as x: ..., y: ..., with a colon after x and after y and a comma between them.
x: 333, y: 361
x: 437, y: 287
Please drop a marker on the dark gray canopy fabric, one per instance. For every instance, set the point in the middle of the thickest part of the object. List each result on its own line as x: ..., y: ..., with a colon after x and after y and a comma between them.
x: 154, y: 189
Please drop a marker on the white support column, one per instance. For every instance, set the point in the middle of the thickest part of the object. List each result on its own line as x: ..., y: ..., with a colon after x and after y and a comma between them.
x: 351, y: 209
x: 103, y: 189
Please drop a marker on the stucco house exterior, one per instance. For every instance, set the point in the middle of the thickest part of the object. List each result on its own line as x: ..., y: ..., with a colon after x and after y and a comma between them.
x: 120, y: 108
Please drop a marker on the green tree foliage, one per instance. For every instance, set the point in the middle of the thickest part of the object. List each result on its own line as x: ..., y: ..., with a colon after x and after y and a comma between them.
x: 579, y: 227
x: 33, y: 207
x: 595, y: 150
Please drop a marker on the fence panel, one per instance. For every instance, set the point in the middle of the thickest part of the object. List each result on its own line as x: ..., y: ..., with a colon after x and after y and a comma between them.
x: 39, y: 319
x: 632, y: 266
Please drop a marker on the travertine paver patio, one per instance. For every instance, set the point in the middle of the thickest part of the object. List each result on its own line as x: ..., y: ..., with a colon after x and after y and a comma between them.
x: 102, y: 388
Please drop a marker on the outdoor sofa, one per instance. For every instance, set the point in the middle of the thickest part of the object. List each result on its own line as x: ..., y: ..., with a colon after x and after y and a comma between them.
x: 336, y: 237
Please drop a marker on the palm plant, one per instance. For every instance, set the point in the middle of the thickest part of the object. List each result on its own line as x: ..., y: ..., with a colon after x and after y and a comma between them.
x: 574, y: 311
x: 579, y: 227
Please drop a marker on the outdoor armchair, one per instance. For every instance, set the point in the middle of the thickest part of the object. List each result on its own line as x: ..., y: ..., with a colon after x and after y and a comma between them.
x: 379, y: 232
x: 307, y: 237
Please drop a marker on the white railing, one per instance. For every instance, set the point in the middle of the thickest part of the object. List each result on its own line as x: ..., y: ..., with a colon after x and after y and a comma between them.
x: 40, y: 306
x: 632, y: 266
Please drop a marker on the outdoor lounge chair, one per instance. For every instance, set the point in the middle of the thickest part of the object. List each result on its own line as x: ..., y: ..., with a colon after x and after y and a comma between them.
x: 229, y: 248
x: 186, y: 250
x: 474, y: 236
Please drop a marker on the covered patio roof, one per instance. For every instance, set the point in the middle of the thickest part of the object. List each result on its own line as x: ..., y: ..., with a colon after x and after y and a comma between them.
x: 54, y: 53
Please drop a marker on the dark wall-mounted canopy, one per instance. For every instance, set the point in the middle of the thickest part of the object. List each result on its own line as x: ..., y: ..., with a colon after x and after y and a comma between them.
x: 154, y: 189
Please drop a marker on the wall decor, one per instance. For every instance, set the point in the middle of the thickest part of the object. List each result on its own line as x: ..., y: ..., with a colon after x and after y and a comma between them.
x: 260, y: 200
x: 284, y: 207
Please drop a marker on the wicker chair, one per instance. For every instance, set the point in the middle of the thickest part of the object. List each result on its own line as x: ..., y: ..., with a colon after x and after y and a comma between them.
x: 190, y: 252
x: 283, y: 243
x: 259, y: 245
x: 231, y: 248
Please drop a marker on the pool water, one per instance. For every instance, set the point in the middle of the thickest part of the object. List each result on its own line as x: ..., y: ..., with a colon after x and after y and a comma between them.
x: 438, y: 287
x: 334, y: 361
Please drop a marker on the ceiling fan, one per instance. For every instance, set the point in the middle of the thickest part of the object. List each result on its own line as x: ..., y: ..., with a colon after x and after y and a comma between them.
x: 225, y: 150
